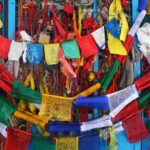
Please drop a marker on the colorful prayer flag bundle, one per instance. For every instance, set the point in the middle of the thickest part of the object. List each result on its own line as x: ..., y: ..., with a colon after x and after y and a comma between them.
x: 60, y: 87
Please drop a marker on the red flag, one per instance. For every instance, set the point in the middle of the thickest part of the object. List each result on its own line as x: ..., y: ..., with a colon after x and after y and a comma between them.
x: 132, y: 108
x: 135, y: 128
x: 17, y: 139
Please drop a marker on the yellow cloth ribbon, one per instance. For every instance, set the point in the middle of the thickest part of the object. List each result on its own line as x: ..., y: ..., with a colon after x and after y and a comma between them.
x: 43, y: 87
x: 1, y: 24
x: 30, y: 83
x: 56, y: 107
x: 115, y: 45
x: 148, y: 7
x: 67, y: 143
x: 89, y: 91
x: 75, y: 25
x: 113, y: 142
x: 80, y: 19
x: 32, y: 118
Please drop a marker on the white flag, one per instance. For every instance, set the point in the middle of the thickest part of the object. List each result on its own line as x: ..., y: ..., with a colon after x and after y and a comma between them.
x: 118, y: 100
x: 99, y: 37
x: 97, y: 123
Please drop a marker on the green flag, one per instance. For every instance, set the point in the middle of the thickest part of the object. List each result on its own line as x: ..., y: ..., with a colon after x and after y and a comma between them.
x: 71, y: 49
x: 41, y: 143
x: 22, y: 92
x: 6, y: 109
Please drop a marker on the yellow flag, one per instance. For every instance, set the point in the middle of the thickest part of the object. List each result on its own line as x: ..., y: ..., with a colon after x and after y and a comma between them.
x: 67, y: 143
x: 115, y: 46
x: 56, y: 108
x: 51, y: 53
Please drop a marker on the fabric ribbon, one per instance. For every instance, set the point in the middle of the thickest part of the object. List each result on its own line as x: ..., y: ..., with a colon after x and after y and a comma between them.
x: 113, y: 141
x: 118, y: 127
x: 6, y: 75
x: 66, y: 68
x: 144, y: 98
x: 143, y: 82
x: 25, y: 37
x: 5, y: 86
x: 58, y: 26
x: 32, y: 118
x: 13, y: 67
x: 105, y: 82
x: 124, y: 3
x: 143, y: 35
x: 89, y: 91
x: 142, y: 5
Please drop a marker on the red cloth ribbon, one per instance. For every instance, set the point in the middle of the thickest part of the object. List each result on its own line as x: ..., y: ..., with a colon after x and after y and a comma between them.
x: 58, y: 27
x: 128, y: 45
x: 88, y: 64
x: 5, y: 86
x: 113, y: 86
x: 89, y: 23
x: 124, y: 3
x: 1, y: 8
x: 68, y: 8
x: 143, y: 82
x: 5, y: 74
x: 83, y: 114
